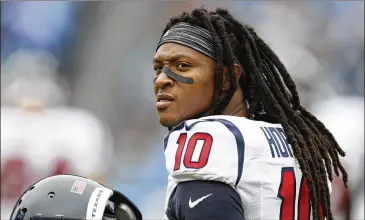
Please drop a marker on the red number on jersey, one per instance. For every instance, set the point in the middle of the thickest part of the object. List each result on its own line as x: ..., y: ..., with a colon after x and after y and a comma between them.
x: 60, y: 167
x: 16, y: 176
x: 304, y: 201
x: 204, y: 154
x: 181, y: 142
x: 287, y: 193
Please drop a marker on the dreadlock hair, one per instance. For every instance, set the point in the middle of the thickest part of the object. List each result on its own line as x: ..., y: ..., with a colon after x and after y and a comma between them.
x: 268, y: 87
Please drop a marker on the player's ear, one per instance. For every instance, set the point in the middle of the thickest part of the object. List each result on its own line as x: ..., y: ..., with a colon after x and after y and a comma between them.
x: 237, y: 70
x: 226, y: 82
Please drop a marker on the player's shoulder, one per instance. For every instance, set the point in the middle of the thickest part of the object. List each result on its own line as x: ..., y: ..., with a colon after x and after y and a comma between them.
x: 220, y: 123
x: 229, y: 120
x: 215, y: 147
x: 79, y: 120
x: 73, y: 114
x: 209, y: 148
x: 215, y: 126
x: 238, y: 121
x: 220, y: 126
x: 215, y: 120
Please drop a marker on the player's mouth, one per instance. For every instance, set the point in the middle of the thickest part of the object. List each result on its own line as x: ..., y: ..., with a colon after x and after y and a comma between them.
x: 163, y: 101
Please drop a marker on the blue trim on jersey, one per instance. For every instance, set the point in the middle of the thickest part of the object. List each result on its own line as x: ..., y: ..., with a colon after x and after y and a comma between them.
x: 176, y: 128
x: 239, y: 142
x: 189, y: 127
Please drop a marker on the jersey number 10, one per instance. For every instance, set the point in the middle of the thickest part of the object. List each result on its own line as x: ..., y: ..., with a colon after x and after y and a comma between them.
x: 287, y: 191
x: 204, y: 154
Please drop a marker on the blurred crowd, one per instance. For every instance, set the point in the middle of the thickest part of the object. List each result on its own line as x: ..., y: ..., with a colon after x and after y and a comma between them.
x: 77, y: 94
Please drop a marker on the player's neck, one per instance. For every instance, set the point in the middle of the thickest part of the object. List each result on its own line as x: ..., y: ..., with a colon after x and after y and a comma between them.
x: 236, y: 107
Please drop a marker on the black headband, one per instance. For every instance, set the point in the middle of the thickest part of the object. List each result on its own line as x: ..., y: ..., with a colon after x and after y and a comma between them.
x: 191, y: 36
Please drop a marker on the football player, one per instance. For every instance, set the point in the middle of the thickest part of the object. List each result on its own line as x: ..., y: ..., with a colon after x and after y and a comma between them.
x: 344, y: 117
x: 36, y: 124
x: 74, y: 198
x: 240, y: 145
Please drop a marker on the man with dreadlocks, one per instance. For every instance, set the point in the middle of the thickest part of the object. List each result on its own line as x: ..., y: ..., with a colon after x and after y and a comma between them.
x: 240, y: 145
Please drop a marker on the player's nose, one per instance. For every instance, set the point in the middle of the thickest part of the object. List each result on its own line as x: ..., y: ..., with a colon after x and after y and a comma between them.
x: 162, y: 81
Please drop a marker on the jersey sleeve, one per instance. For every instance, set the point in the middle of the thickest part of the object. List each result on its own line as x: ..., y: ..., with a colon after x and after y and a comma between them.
x: 209, y: 149
x: 194, y: 200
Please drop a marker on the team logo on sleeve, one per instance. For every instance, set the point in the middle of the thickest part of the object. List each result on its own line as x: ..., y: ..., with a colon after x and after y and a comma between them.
x: 78, y: 187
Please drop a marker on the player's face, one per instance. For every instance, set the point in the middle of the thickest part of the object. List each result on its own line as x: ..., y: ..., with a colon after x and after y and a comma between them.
x: 176, y: 101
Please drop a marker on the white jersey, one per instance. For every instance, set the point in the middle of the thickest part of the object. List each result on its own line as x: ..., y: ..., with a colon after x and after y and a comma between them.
x: 54, y: 141
x: 253, y: 157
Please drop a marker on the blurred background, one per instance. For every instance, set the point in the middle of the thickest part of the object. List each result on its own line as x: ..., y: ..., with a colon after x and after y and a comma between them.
x: 77, y: 93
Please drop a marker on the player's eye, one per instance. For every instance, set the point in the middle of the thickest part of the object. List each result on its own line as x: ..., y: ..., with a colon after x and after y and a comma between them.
x: 157, y: 69
x: 182, y: 65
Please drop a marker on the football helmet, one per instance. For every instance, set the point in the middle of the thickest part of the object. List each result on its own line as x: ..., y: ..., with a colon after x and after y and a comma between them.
x: 70, y: 197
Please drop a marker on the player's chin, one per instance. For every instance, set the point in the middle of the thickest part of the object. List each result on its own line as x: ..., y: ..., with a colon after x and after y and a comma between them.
x: 168, y: 119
